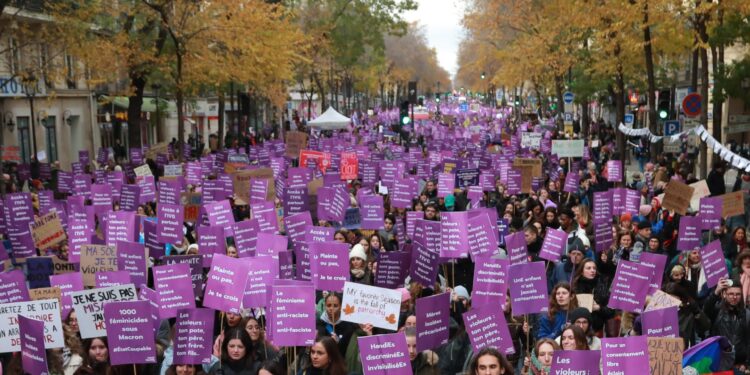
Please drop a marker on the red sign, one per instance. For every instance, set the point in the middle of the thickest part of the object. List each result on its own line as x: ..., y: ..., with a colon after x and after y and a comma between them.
x: 11, y: 153
x: 322, y: 159
x: 349, y: 166
x: 692, y: 104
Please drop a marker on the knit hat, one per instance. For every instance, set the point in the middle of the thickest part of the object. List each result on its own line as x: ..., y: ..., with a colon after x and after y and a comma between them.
x: 405, y: 295
x: 580, y: 312
x: 644, y: 224
x: 450, y: 200
x: 626, y: 217
x: 462, y: 292
x: 357, y: 251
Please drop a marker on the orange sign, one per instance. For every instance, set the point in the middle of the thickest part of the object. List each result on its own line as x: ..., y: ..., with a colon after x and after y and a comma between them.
x: 349, y: 166
x: 322, y: 159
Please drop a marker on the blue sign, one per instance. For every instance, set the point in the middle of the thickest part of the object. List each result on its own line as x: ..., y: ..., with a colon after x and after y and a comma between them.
x: 672, y: 127
x: 568, y: 117
x: 464, y: 107
x: 629, y: 119
x: 568, y: 97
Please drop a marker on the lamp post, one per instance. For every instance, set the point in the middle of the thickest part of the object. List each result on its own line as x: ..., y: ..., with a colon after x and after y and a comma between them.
x: 30, y: 86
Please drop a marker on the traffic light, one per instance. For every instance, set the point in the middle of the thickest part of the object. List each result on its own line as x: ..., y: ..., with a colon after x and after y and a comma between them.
x: 663, y: 104
x: 403, y: 115
x: 518, y: 100
x: 420, y: 101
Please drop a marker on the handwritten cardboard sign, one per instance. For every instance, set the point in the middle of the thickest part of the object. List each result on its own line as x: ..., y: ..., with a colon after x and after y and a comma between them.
x: 47, y: 231
x: 369, y: 304
x: 733, y: 204
x: 47, y: 310
x: 677, y: 197
x: 665, y: 355
x: 97, y: 258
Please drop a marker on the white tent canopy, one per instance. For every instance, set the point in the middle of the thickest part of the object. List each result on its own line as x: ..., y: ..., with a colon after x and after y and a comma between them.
x: 330, y: 120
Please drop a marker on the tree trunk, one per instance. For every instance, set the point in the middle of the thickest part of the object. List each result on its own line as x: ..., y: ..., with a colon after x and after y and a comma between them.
x: 138, y: 83
x: 560, y: 103
x: 222, y: 105
x: 180, y: 102
x: 649, y: 55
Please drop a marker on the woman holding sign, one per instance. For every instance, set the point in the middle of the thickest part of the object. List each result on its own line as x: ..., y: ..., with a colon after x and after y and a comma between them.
x: 561, y: 300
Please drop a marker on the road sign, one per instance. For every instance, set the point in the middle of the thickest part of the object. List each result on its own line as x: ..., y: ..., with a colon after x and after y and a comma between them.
x: 629, y: 119
x: 568, y: 97
x: 464, y: 107
x: 672, y: 127
x: 691, y: 105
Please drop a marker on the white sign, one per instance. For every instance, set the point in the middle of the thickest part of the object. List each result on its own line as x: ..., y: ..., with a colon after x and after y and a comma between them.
x: 89, y: 307
x: 568, y: 148
x: 143, y: 170
x: 172, y: 170
x: 531, y: 140
x: 366, y: 304
x: 46, y: 310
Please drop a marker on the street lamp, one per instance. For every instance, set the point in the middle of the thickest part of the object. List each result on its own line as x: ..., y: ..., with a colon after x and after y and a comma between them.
x: 30, y: 87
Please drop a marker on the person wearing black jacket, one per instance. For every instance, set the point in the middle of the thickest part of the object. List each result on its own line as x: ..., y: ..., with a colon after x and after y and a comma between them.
x: 715, y: 179
x: 729, y: 318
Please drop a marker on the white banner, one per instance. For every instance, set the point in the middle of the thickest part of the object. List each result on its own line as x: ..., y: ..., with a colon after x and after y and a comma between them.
x: 568, y: 148
x: 366, y: 304
x: 89, y: 307
x: 46, y: 310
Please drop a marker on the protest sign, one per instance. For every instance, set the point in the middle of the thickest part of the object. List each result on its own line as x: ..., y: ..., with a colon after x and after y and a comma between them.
x: 446, y: 183
x: 467, y: 177
x: 665, y: 355
x: 487, y: 327
x: 242, y: 180
x: 222, y: 291
x: 661, y: 300
x: 626, y: 355
x: 33, y: 354
x: 371, y: 305
x: 603, y: 207
x: 319, y: 160
x: 47, y: 231
x: 689, y: 237
x: 393, y: 267
x: 614, y: 170
x: 292, y: 315
x: 262, y: 270
x: 193, y: 336
x: 169, y: 226
x: 295, y: 141
x: 661, y: 322
x: 553, y: 245
x: 433, y: 321
x: 714, y: 265
x: 132, y: 257
x: 46, y: 311
x: 677, y: 197
x: 112, y: 278
x: 89, y: 307
x: 733, y: 204
x: 67, y: 283
x: 657, y: 262
x: 142, y: 170
x: 329, y: 265
x: 454, y: 238
x: 575, y: 362
x: 211, y: 241
x: 173, y: 283
x: 424, y: 264
x: 384, y: 354
x: 372, y: 211
x: 515, y: 244
x: 567, y: 148
x: 52, y: 292
x: 196, y: 269
x: 97, y: 258
x: 482, y: 239
x: 349, y: 168
x: 711, y: 209
x: 630, y: 286
x: 535, y: 164
x: 531, y: 140
x: 130, y: 332
x: 490, y: 282
x: 528, y: 288
x: 120, y: 226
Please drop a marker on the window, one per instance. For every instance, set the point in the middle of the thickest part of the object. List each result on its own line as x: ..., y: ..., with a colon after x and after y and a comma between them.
x: 70, y: 71
x: 44, y: 62
x: 24, y: 138
x: 14, y: 56
x: 50, y: 138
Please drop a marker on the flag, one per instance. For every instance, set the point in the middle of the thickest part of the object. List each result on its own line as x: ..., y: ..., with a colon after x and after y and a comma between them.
x: 703, y: 358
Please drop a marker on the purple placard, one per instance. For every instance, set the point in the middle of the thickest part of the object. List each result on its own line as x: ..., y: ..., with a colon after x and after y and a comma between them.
x: 614, y: 170
x: 446, y: 184
x: 265, y: 213
x: 689, y: 237
x: 196, y: 269
x: 710, y: 212
x: 603, y: 236
x: 528, y: 288
x: 657, y: 262
x: 130, y: 332
x: 575, y: 362
x: 329, y: 265
x: 632, y: 202
x: 714, y: 265
x: 68, y: 283
x: 302, y: 260
x: 603, y: 206
x: 424, y: 264
x: 372, y: 212
x: 404, y: 190
x: 384, y: 354
x: 84, y: 157
x: 571, y: 183
x: 262, y: 271
x: 332, y: 204
x: 120, y: 226
x: 630, y: 286
x: 625, y: 355
x: 433, y: 321
x: 111, y: 278
x: 490, y: 282
x: 295, y: 225
x: 271, y: 244
x: 219, y: 213
x: 131, y: 257
x: 296, y: 200
x: 169, y: 191
x: 286, y: 265
x: 515, y: 245
x: 33, y: 354
x: 487, y: 328
x: 411, y: 220
x: 393, y: 267
x: 13, y: 287
x: 169, y: 226
x: 136, y: 155
x: 225, y: 275
x: 193, y: 334
x: 64, y: 182
x: 319, y: 234
x: 101, y: 198
x: 130, y: 197
x: 427, y: 233
x: 211, y: 241
x: 454, y: 238
x: 297, y: 328
x: 661, y: 322
x: 174, y: 286
x: 245, y: 238
x: 150, y: 239
x: 553, y: 245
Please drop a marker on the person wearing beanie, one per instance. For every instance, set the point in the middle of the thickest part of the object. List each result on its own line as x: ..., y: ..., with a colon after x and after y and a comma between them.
x: 358, y: 270
x: 640, y: 244
x: 581, y: 317
x: 626, y: 221
x: 564, y: 270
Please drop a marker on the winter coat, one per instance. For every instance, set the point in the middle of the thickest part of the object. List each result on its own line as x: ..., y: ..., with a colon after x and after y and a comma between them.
x: 425, y: 363
x: 551, y: 329
x: 730, y: 322
x: 599, y: 288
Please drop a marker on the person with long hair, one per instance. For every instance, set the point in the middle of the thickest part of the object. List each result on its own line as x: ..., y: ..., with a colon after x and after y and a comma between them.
x: 95, y: 357
x: 272, y: 368
x: 540, y: 361
x: 587, y: 280
x: 324, y: 359
x: 264, y: 350
x: 489, y: 361
x: 573, y: 338
x: 185, y: 370
x: 561, y: 301
x: 422, y: 363
x: 331, y: 325
x: 237, y: 354
x: 607, y: 261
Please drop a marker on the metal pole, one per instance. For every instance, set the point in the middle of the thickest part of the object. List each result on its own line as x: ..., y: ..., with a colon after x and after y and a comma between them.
x: 33, y: 123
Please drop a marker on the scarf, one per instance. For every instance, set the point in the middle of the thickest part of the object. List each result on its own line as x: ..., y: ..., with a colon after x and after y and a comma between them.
x: 357, y: 273
x: 745, y: 280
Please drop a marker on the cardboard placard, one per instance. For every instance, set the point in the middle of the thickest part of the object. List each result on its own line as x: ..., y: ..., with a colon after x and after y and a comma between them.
x: 47, y: 231
x: 733, y: 204
x: 295, y: 141
x: 526, y: 179
x: 97, y: 258
x: 661, y: 300
x: 677, y: 197
x: 586, y: 300
x: 534, y: 163
x: 159, y: 148
x: 52, y: 292
x: 241, y: 182
x: 665, y: 355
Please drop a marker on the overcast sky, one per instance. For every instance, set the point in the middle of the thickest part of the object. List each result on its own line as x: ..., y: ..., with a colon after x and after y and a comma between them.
x: 442, y: 22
